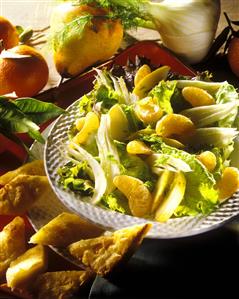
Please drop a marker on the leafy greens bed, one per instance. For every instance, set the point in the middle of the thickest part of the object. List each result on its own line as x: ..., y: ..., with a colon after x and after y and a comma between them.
x: 150, y: 143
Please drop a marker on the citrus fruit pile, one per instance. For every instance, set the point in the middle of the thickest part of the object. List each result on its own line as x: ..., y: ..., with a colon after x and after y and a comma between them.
x: 23, y: 69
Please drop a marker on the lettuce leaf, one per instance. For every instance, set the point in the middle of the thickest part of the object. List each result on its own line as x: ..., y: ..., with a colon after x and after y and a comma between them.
x: 227, y: 94
x: 86, y: 103
x: 107, y: 97
x: 200, y: 195
x: 76, y: 178
x: 163, y: 93
x: 116, y: 201
x: 135, y: 123
x: 133, y: 165
x: 153, y: 140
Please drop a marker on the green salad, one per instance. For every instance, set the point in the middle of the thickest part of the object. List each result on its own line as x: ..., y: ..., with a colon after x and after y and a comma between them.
x: 150, y: 143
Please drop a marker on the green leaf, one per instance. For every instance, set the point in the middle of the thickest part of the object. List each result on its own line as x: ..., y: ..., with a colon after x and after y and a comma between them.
x: 38, y: 111
x: 26, y: 35
x: 153, y: 140
x: 86, y: 104
x: 200, y: 194
x: 163, y: 93
x: 130, y: 12
x: 133, y: 165
x: 14, y: 119
x: 116, y: 201
x: 108, y: 97
x: 76, y: 178
x: 135, y: 123
x: 18, y: 116
x: 227, y: 93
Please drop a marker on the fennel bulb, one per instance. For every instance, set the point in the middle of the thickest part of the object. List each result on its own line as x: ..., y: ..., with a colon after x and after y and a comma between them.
x: 186, y: 27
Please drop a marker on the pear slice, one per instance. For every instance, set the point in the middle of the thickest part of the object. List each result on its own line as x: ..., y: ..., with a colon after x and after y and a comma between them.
x: 151, y: 80
x: 24, y: 269
x: 160, y: 189
x: 142, y: 72
x: 102, y: 254
x: 172, y: 198
x: 119, y: 125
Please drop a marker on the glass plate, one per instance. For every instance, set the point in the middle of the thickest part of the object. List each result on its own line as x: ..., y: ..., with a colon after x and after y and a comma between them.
x: 43, y: 211
x: 110, y: 220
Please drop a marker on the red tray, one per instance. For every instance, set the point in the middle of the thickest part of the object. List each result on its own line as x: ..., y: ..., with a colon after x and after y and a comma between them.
x: 12, y: 155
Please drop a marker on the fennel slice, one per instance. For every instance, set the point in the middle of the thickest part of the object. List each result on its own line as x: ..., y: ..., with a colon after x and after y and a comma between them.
x: 108, y: 153
x: 218, y: 137
x: 100, y: 180
x: 205, y: 115
x: 164, y: 161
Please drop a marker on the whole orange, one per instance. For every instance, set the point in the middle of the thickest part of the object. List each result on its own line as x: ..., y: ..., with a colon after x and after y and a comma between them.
x: 8, y: 34
x: 233, y: 55
x: 25, y: 76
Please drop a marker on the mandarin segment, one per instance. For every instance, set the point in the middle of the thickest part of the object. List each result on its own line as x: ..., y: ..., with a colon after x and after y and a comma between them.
x: 197, y: 96
x: 79, y: 123
x: 208, y: 159
x: 137, y: 147
x: 229, y: 183
x: 138, y: 195
x: 89, y: 125
x: 175, y: 126
x: 148, y: 110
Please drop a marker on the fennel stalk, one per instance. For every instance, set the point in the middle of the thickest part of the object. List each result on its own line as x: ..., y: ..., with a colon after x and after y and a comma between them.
x: 187, y: 27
